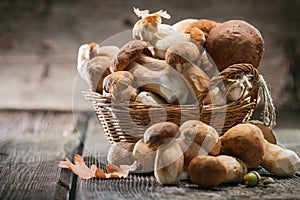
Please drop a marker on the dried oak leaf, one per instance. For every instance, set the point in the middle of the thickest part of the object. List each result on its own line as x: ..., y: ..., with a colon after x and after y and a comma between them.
x: 84, y: 172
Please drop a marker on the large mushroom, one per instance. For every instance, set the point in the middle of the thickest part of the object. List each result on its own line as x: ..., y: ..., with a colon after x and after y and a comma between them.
x: 233, y: 42
x: 169, y: 161
x: 246, y: 142
x: 214, y: 170
x: 198, y: 138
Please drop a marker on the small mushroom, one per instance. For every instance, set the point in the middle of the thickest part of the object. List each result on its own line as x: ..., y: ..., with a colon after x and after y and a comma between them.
x: 169, y: 161
x: 149, y: 28
x: 212, y: 171
x: 119, y: 86
x: 93, y: 62
x: 204, y: 25
x: 128, y: 53
x: 144, y: 155
x: 121, y: 153
x: 198, y: 36
x: 198, y: 138
x: 246, y: 142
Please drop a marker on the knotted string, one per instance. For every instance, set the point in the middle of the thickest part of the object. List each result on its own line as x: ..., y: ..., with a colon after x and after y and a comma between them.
x: 269, y: 114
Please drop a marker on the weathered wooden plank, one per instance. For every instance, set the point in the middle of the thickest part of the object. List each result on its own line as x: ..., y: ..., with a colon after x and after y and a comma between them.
x: 141, y: 186
x: 31, y: 145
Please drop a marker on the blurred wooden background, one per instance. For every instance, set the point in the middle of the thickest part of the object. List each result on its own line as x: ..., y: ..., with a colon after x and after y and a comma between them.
x: 39, y: 40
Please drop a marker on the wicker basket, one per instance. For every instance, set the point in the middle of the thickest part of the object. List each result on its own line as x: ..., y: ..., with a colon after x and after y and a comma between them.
x: 128, y: 121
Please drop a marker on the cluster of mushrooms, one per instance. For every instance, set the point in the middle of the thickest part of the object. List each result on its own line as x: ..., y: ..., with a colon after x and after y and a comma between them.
x: 172, y: 64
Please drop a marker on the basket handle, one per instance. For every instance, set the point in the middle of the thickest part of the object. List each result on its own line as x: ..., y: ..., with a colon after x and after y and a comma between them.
x: 258, y: 86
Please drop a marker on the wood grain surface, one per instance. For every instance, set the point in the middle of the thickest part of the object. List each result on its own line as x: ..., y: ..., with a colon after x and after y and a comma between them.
x: 31, y: 146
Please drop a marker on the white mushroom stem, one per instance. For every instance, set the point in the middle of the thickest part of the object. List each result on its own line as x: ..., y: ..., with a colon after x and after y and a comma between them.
x: 149, y: 98
x: 166, y: 82
x: 144, y: 155
x: 169, y: 162
x: 161, y: 46
x: 280, y: 161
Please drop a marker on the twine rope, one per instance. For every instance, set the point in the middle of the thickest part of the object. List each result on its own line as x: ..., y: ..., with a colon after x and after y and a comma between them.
x: 269, y: 114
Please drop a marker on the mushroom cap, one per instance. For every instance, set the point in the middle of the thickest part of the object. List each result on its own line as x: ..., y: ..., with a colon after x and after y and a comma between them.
x: 246, y: 142
x: 206, y: 171
x: 200, y: 133
x: 266, y: 130
x: 144, y: 155
x: 182, y: 52
x: 128, y: 53
x: 205, y: 25
x: 235, y: 41
x: 181, y: 25
x: 120, y: 77
x: 97, y: 70
x: 121, y: 153
x: 154, y: 136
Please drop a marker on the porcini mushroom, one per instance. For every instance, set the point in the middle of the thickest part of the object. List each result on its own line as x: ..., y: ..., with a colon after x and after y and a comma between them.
x: 93, y: 62
x: 121, y: 153
x: 169, y: 160
x: 246, y: 142
x: 150, y: 27
x: 204, y: 25
x: 212, y: 171
x: 128, y: 53
x: 144, y: 155
x: 198, y: 138
x: 280, y: 161
x: 235, y: 41
x: 162, y: 80
x: 180, y: 56
x: 119, y: 86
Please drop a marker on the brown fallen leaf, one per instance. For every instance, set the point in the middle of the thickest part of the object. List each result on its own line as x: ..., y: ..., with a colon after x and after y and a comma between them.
x: 84, y: 172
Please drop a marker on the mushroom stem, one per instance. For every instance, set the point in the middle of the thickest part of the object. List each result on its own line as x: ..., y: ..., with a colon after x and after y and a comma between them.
x: 212, y: 171
x: 280, y: 161
x: 169, y: 162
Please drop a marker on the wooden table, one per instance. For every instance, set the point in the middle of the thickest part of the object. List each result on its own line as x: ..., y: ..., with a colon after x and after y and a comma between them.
x: 33, y: 142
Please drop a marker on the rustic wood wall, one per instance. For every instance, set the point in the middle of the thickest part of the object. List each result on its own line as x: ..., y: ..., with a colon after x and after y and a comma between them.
x: 39, y: 40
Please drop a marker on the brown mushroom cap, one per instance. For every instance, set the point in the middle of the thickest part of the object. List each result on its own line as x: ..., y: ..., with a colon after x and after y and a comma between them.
x: 205, y: 25
x: 121, y: 77
x: 182, y: 52
x: 244, y: 141
x: 206, y: 171
x: 267, y: 131
x: 235, y: 41
x: 121, y: 153
x: 156, y: 133
x: 128, y: 53
x: 200, y: 133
